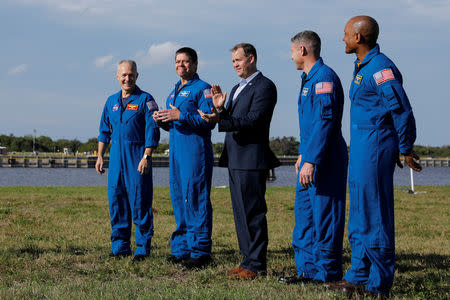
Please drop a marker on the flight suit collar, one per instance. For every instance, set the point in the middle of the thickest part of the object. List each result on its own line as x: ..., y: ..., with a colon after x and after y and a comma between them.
x: 177, y: 85
x: 137, y: 91
x: 319, y: 63
x: 127, y: 113
x: 372, y: 53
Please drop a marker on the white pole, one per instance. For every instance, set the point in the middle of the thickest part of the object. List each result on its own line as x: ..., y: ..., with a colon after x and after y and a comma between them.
x: 412, y: 180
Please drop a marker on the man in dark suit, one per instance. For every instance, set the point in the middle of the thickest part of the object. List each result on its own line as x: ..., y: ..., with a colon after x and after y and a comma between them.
x: 246, y: 121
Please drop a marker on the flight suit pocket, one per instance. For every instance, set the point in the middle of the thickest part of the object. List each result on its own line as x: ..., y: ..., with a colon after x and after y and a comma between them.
x: 326, y: 107
x: 353, y: 190
x: 390, y: 97
x: 141, y: 204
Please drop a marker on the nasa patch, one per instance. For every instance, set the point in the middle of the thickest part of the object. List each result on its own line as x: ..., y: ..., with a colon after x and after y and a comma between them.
x: 305, y: 92
x: 184, y: 93
x: 115, y: 107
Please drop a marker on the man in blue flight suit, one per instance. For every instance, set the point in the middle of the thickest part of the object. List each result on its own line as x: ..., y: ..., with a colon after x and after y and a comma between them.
x: 322, y: 161
x: 127, y: 122
x: 382, y: 125
x: 191, y: 163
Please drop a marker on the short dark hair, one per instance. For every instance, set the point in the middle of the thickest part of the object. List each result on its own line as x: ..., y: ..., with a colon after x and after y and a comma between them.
x: 310, y: 40
x: 248, y: 49
x: 189, y: 52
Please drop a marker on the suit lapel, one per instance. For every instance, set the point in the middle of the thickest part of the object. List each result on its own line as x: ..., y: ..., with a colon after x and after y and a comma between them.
x: 249, y: 87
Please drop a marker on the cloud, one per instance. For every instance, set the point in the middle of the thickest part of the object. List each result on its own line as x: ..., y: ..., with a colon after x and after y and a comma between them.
x: 18, y: 69
x: 100, y: 62
x: 158, y: 53
x: 439, y: 9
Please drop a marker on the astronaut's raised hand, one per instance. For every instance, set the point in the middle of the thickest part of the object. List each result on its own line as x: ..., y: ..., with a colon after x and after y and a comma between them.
x: 168, y: 115
x: 210, y: 118
x: 218, y: 97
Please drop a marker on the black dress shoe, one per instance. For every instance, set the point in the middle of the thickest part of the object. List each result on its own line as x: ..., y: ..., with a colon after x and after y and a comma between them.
x: 139, y: 257
x: 297, y: 279
x: 175, y: 260
x: 112, y: 255
x: 195, y: 263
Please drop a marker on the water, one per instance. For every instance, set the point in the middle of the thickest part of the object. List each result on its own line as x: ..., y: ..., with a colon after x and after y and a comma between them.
x: 89, y: 177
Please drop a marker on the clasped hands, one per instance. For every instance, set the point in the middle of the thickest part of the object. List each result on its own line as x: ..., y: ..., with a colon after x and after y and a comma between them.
x: 167, y: 115
x: 218, y: 100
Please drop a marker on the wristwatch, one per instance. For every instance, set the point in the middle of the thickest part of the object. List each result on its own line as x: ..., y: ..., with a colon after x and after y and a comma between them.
x: 147, y: 157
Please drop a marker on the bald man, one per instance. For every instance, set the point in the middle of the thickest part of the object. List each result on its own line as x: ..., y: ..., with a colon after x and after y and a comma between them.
x: 127, y: 123
x: 382, y: 125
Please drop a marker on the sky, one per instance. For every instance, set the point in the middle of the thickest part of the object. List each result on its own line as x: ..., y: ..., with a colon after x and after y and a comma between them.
x: 59, y: 57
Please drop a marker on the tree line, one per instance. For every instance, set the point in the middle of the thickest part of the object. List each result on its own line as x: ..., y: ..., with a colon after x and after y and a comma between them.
x: 280, y: 146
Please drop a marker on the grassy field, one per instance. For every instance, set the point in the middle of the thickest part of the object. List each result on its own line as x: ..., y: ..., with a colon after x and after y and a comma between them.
x: 51, y: 239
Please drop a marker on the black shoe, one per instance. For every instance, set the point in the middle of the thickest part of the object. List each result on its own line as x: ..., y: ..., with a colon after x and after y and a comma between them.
x: 111, y: 255
x: 297, y: 279
x: 139, y: 257
x: 195, y: 263
x: 175, y: 260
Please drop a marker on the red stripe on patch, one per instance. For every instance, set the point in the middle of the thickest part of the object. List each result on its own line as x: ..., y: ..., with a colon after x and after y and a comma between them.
x: 324, y: 88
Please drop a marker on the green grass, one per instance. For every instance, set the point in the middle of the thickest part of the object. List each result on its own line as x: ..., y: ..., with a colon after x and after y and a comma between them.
x: 51, y: 239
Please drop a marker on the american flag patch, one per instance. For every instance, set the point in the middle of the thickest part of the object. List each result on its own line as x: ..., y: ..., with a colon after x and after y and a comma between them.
x: 207, y: 93
x: 383, y: 76
x: 324, y: 87
x: 152, y: 105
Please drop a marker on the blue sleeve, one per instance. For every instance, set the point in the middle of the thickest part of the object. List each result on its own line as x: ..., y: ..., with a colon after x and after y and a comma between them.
x: 314, y: 149
x: 396, y: 102
x: 105, y: 127
x: 193, y: 119
x: 151, y: 127
x: 261, y: 108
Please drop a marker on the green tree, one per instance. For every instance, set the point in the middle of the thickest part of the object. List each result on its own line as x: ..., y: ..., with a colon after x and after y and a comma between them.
x: 284, y: 145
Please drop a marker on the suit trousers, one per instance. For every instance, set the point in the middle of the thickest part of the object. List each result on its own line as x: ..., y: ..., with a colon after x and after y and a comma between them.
x: 247, y: 188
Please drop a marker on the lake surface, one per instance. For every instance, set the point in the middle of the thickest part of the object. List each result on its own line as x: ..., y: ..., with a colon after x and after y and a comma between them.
x: 89, y: 177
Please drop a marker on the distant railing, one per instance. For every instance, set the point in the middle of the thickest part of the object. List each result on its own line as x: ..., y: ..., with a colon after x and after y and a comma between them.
x: 15, y: 161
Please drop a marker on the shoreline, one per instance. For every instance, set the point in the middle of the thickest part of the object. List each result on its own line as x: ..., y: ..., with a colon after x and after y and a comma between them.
x: 63, y: 161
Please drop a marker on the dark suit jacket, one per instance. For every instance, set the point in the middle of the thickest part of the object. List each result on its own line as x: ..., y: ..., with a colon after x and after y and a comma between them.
x: 247, y: 124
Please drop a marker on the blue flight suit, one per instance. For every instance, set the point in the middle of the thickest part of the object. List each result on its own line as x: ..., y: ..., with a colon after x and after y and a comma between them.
x: 130, y: 130
x: 191, y: 162
x: 320, y: 210
x: 382, y: 124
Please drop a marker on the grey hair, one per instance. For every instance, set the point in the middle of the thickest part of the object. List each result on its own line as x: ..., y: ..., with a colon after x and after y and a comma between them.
x: 310, y: 40
x: 132, y: 63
